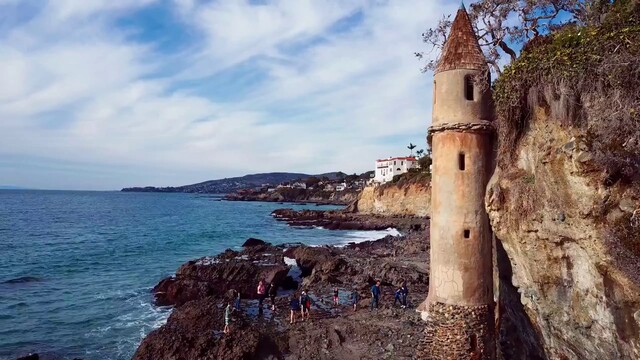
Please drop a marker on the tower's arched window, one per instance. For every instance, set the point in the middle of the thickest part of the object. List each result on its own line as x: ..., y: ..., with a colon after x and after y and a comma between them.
x: 468, y: 87
x: 461, y: 161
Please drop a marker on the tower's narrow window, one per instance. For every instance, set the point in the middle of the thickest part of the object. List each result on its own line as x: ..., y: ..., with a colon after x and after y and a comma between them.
x: 473, y: 342
x: 467, y: 233
x: 461, y: 161
x: 434, y: 91
x: 468, y: 87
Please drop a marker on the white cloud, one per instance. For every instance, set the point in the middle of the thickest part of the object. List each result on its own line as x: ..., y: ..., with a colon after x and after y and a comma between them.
x: 77, y: 89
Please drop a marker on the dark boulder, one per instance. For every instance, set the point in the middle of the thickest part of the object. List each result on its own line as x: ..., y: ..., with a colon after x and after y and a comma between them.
x: 193, y: 331
x: 254, y: 242
x: 289, y: 284
x: 215, y: 276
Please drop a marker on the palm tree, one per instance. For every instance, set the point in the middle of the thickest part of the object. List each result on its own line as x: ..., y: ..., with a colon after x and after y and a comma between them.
x: 419, y: 153
x: 411, y: 147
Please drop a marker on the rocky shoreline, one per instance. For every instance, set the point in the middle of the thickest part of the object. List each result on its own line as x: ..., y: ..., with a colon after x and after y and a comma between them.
x: 200, y: 289
x: 293, y: 195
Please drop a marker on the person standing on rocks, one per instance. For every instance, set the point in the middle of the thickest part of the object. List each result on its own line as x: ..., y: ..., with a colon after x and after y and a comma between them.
x: 227, y: 318
x: 336, y: 299
x: 355, y: 297
x: 405, y: 293
x: 305, y: 305
x: 375, y: 295
x: 295, y: 307
x: 261, y: 294
x: 398, y: 297
x: 237, y: 301
x: 273, y: 292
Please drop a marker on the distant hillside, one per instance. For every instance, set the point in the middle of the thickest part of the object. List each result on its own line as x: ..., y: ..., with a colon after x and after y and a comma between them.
x: 11, y: 187
x: 227, y: 185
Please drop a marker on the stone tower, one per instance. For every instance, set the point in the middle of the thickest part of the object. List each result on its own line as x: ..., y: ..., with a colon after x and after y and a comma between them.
x: 459, y: 308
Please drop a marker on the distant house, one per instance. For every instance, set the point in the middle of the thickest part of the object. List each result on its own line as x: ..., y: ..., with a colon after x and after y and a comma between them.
x: 329, y: 187
x: 341, y: 187
x: 299, y: 185
x: 386, y: 169
x: 271, y: 189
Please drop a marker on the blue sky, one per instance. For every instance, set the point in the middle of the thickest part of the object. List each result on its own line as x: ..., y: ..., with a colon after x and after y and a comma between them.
x: 102, y: 94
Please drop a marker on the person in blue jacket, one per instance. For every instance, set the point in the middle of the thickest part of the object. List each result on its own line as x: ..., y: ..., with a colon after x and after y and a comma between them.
x: 398, y: 297
x: 375, y: 295
x: 237, y: 302
x: 404, y: 293
x: 295, y: 307
x: 355, y: 297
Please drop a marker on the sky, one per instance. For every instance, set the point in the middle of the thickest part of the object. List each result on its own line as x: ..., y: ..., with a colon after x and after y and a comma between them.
x: 104, y: 94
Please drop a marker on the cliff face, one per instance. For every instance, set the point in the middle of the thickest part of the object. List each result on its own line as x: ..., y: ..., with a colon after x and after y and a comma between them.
x: 412, y: 199
x: 573, y: 242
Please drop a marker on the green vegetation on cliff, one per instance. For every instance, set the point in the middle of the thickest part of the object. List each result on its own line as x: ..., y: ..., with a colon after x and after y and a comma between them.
x: 582, y: 76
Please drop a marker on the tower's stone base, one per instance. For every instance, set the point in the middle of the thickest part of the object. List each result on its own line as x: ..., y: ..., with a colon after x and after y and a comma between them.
x: 458, y: 332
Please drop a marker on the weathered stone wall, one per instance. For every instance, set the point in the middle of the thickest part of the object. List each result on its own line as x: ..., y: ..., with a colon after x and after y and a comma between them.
x: 573, y: 244
x: 396, y: 200
x: 458, y: 332
x: 448, y: 93
x: 461, y: 261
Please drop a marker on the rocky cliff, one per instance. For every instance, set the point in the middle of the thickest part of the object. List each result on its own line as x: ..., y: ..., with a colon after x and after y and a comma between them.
x: 396, y: 199
x: 571, y: 244
x: 565, y: 198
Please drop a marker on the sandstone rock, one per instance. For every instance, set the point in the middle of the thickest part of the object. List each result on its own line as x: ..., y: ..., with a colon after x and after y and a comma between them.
x: 584, y: 156
x: 392, y: 199
x: 628, y: 205
x: 579, y: 279
x: 570, y: 146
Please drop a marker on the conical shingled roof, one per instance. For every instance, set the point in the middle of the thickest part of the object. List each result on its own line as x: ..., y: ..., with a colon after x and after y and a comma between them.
x: 461, y: 51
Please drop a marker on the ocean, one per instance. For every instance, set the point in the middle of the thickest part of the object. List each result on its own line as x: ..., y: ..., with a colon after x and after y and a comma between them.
x: 77, y: 267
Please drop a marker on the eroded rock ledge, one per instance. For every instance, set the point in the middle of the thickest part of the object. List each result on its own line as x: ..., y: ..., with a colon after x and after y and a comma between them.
x: 341, y: 220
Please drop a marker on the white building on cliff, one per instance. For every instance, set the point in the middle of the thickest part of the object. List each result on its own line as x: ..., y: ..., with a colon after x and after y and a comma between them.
x: 386, y: 169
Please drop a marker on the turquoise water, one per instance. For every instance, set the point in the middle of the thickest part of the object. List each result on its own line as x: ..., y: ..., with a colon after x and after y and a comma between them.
x: 76, y: 267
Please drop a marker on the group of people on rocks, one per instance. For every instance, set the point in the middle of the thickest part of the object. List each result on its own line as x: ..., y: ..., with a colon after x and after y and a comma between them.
x: 302, y: 303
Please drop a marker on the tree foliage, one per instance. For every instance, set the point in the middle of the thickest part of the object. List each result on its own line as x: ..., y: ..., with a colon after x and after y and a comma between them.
x: 411, y: 147
x: 503, y: 25
x: 424, y: 163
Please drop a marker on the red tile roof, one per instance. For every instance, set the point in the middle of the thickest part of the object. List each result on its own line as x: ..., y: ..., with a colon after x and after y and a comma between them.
x: 408, y: 158
x: 461, y: 51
